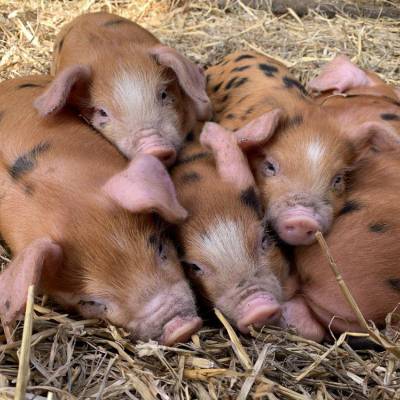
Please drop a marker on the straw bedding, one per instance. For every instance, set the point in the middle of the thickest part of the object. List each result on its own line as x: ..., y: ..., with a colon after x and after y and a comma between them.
x: 73, y: 358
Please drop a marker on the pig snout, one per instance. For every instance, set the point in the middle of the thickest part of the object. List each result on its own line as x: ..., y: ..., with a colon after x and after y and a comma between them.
x: 155, y: 145
x: 298, y: 226
x: 180, y: 329
x: 258, y: 310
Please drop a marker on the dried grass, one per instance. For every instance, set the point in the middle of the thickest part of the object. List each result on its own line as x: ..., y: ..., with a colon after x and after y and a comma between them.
x: 76, y: 359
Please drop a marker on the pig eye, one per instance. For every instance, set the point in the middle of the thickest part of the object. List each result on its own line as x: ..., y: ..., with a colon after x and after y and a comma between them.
x: 270, y: 168
x: 164, y: 96
x: 338, y: 183
x: 162, y: 253
x: 101, y: 112
x: 191, y: 267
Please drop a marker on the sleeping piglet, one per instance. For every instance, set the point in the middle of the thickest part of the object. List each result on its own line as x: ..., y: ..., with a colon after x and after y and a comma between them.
x: 79, y: 223
x: 364, y: 242
x: 301, y: 171
x: 227, y: 251
x: 141, y: 95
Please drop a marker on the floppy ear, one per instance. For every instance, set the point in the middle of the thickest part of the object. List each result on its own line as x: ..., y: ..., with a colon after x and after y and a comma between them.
x: 59, y: 90
x: 190, y: 76
x: 25, y: 270
x: 144, y: 187
x: 259, y: 130
x: 378, y: 136
x: 228, y: 147
x: 340, y: 75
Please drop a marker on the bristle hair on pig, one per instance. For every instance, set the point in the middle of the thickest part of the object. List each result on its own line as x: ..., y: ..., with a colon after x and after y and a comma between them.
x: 226, y: 249
x: 81, y: 223
x: 141, y: 95
x: 301, y: 170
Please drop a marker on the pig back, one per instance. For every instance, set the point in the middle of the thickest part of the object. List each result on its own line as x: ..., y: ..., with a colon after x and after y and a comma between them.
x: 92, y: 35
x: 245, y: 85
x: 50, y: 168
x: 364, y: 242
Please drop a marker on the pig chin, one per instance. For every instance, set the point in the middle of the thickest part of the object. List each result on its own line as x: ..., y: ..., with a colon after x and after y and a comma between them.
x: 297, y: 224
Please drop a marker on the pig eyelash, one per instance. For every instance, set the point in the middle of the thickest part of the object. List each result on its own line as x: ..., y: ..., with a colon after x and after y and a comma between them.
x: 192, y: 267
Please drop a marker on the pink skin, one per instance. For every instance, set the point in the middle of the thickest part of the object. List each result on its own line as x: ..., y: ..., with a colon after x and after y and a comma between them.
x: 156, y: 146
x: 179, y: 330
x: 258, y: 310
x: 298, y: 226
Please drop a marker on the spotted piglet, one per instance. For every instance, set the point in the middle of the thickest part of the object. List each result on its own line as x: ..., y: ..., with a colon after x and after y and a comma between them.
x: 364, y: 241
x: 225, y: 247
x: 141, y: 95
x: 355, y: 96
x: 301, y: 171
x: 80, y: 223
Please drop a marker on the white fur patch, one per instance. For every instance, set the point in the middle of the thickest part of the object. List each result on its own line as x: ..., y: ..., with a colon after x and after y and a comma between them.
x: 224, y: 244
x: 315, y: 153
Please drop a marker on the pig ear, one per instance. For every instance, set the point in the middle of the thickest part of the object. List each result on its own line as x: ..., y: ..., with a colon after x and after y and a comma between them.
x: 25, y: 270
x: 144, y: 187
x: 258, y: 131
x: 59, y: 90
x: 232, y: 164
x: 374, y: 135
x: 190, y: 76
x: 340, y: 75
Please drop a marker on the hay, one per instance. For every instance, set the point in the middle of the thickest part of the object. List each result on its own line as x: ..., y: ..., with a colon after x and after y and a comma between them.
x: 73, y: 358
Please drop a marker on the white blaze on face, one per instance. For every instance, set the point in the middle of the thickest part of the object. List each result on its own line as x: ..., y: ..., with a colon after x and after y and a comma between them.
x: 315, y: 154
x: 224, y: 245
x: 135, y: 94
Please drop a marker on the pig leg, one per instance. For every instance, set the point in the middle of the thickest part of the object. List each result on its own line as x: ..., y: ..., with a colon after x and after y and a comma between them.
x: 25, y: 270
x: 296, y: 314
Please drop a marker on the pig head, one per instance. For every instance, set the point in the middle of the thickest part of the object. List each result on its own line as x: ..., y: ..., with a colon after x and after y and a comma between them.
x: 141, y: 95
x: 226, y: 249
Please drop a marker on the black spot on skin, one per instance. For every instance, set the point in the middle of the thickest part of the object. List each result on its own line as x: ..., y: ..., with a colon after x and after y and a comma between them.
x: 390, y: 117
x: 216, y: 87
x: 293, y: 83
x: 27, y: 161
x: 249, y: 198
x: 7, y: 304
x: 350, y: 206
x: 379, y: 227
x: 225, y: 98
x: 239, y: 69
x: 190, y: 177
x: 244, y: 57
x: 230, y: 116
x: 269, y: 70
x: 242, y: 99
x: 240, y: 82
x: 192, y: 158
x: 231, y: 83
x: 294, y: 121
x: 28, y: 85
x: 394, y: 283
x: 190, y: 137
x: 114, y: 22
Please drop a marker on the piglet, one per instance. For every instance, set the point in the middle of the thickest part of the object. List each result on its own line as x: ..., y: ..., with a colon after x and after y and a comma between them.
x: 81, y: 226
x: 225, y: 247
x: 301, y: 171
x: 355, y: 96
x: 141, y: 95
x: 364, y: 242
